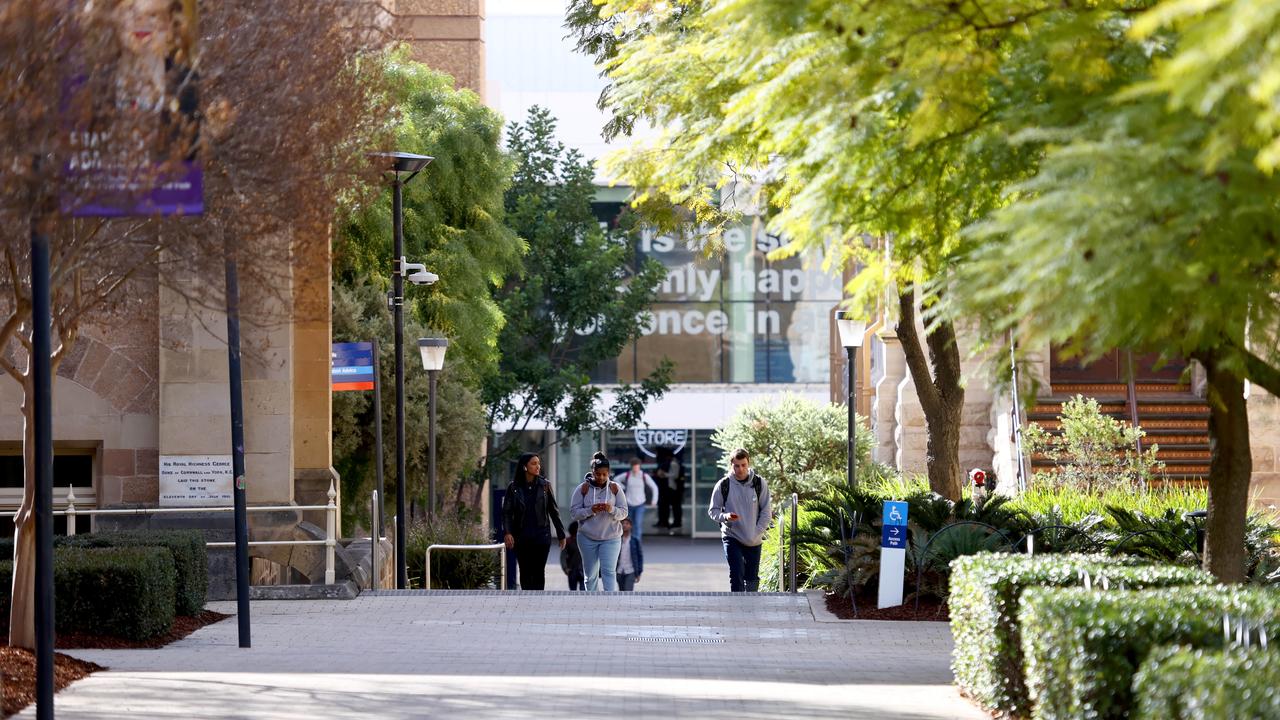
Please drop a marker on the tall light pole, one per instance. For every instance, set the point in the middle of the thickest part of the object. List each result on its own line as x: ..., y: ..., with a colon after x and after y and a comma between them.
x: 403, y: 168
x: 851, y: 332
x: 432, y: 349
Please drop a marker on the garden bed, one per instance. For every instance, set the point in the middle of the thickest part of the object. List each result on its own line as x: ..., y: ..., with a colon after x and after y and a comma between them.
x: 930, y: 609
x: 18, y: 666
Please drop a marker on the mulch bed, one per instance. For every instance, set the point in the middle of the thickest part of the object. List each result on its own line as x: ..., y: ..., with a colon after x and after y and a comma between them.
x: 931, y: 609
x: 18, y: 666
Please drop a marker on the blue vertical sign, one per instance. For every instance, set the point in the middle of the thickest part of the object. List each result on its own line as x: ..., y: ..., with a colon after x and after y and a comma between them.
x: 894, y: 533
x: 352, y: 366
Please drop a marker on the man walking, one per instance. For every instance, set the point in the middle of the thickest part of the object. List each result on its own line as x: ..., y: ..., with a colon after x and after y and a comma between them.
x: 740, y: 503
x: 642, y: 493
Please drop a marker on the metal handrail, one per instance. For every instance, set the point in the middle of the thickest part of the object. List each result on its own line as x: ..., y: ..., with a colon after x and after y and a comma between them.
x: 331, y: 512
x: 502, y: 560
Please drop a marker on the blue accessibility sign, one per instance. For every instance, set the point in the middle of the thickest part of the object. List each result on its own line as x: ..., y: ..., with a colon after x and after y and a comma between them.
x: 895, y: 513
x: 893, y: 536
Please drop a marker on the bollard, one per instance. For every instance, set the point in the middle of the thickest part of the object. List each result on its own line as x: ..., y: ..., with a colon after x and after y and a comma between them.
x: 332, y: 529
x: 795, y: 502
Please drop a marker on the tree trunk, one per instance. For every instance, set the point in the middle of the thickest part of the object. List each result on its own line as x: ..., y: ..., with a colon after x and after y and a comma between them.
x: 22, y: 610
x: 940, y: 392
x: 1230, y: 471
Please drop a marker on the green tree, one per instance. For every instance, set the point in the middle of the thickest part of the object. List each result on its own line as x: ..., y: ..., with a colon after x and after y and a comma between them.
x: 799, y: 446
x: 582, y: 296
x: 454, y: 222
x: 360, y: 313
x: 453, y: 215
x: 1095, y: 453
x: 1106, y: 214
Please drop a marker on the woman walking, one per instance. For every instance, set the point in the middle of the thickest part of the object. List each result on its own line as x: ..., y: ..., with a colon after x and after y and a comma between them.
x: 599, y: 506
x: 529, y: 509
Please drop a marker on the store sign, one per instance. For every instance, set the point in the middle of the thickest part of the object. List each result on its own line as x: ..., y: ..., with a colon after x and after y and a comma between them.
x: 673, y: 439
x: 195, y: 480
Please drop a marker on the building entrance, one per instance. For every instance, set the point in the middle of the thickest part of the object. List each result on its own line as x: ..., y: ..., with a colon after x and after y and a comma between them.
x: 684, y: 465
x: 1112, y: 368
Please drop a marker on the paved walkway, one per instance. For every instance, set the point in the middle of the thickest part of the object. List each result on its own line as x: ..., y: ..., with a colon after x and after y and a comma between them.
x: 532, y: 655
x: 671, y: 564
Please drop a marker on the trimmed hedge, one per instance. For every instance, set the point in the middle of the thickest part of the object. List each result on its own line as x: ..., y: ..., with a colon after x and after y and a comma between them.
x: 1182, y: 683
x: 985, y: 593
x: 127, y: 592
x: 186, y: 547
x: 190, y: 558
x: 1083, y: 647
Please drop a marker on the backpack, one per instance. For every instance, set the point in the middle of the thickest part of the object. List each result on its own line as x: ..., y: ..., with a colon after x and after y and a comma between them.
x: 612, y: 486
x: 756, y: 484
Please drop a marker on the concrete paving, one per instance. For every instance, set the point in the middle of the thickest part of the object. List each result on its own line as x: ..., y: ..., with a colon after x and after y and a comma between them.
x: 532, y: 655
x: 671, y: 564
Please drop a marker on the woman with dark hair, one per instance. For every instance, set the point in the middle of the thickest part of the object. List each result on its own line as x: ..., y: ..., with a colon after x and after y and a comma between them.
x: 529, y: 510
x: 599, y: 506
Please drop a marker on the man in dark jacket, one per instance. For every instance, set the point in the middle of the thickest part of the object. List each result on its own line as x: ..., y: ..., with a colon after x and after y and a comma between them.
x: 528, y: 512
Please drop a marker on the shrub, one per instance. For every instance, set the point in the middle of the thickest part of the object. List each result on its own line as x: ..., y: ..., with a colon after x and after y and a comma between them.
x: 984, y: 602
x: 190, y: 560
x: 124, y: 592
x: 1082, y: 648
x: 1094, y: 452
x: 467, y: 569
x: 798, y: 445
x: 186, y: 547
x: 1183, y: 683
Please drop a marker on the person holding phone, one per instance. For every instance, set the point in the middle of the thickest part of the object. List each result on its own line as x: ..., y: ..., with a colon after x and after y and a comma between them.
x: 528, y: 512
x: 740, y: 503
x: 599, y: 506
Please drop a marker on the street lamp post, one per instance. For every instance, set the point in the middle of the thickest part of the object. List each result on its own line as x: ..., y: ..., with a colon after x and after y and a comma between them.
x: 400, y: 164
x: 851, y: 332
x: 432, y: 349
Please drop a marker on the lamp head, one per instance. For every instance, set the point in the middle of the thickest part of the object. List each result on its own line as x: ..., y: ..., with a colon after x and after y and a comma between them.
x: 851, y: 330
x: 401, y: 162
x: 433, y: 349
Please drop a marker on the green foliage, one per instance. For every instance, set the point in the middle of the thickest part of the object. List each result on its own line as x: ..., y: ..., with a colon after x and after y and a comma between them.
x: 451, y: 569
x: 453, y: 216
x: 359, y: 314
x: 1067, y: 506
x: 1083, y: 648
x: 125, y: 592
x: 582, y: 296
x: 1094, y: 453
x: 800, y: 446
x: 985, y: 594
x: 185, y: 547
x: 1185, y: 683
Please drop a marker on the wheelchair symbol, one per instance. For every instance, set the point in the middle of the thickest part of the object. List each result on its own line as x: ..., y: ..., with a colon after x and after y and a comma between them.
x: 895, y: 516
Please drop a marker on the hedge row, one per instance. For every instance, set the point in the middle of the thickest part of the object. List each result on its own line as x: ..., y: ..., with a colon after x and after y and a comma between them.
x: 186, y: 547
x: 1184, y: 683
x: 986, y: 591
x: 1083, y: 648
x: 127, y: 592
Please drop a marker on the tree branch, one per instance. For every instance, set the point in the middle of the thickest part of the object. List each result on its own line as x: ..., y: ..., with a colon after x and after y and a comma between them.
x: 916, y: 362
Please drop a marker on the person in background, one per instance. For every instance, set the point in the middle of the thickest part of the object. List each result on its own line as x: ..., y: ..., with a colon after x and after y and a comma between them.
x: 642, y: 493
x: 740, y: 503
x: 528, y: 512
x: 599, y: 506
x: 571, y: 559
x: 630, y: 559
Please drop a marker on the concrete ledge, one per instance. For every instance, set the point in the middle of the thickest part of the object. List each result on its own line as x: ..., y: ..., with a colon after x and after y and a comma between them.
x: 345, y: 590
x: 818, y: 606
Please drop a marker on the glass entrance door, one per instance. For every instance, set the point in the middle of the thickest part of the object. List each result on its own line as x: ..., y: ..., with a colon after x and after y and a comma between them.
x: 666, y: 455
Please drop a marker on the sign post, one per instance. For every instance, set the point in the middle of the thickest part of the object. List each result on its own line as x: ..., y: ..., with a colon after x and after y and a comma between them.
x: 355, y: 368
x: 893, y: 553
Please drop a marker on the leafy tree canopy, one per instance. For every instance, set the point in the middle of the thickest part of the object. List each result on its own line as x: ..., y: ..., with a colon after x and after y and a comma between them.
x: 453, y: 215
x: 582, y: 296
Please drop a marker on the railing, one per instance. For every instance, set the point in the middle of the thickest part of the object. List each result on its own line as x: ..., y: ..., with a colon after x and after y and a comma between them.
x: 331, y: 512
x: 502, y: 560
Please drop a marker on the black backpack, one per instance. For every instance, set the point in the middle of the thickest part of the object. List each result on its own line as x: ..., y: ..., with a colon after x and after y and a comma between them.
x: 756, y: 485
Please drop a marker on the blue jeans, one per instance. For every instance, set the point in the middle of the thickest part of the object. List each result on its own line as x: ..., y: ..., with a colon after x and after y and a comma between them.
x: 635, y: 514
x: 744, y: 565
x: 600, y: 559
